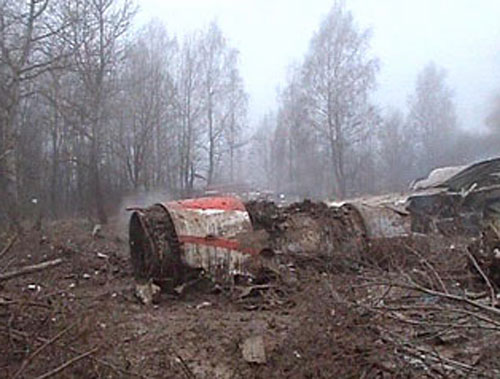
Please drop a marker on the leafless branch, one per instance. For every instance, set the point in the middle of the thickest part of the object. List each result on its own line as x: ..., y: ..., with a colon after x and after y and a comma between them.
x: 9, y: 245
x: 484, y: 276
x: 40, y: 349
x: 30, y: 269
x: 428, y: 265
x: 65, y: 365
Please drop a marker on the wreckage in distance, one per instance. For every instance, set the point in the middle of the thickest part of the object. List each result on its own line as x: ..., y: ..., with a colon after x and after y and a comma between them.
x: 174, y: 241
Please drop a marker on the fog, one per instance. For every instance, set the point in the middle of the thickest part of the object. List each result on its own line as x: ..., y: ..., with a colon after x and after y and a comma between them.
x: 302, y: 99
x: 461, y: 36
x: 281, y: 184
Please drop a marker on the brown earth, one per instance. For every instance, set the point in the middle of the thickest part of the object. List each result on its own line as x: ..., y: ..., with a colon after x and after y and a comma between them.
x: 397, y: 308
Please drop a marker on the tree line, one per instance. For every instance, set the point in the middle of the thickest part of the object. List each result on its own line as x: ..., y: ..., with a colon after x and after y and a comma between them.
x: 92, y: 108
x: 328, y: 139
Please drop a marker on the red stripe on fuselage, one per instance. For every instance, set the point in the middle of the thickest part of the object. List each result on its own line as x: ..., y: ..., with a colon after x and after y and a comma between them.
x: 222, y: 203
x: 218, y: 242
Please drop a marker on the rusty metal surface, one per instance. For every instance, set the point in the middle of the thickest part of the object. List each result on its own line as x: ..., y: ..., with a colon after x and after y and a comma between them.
x: 154, y: 247
x: 208, y: 230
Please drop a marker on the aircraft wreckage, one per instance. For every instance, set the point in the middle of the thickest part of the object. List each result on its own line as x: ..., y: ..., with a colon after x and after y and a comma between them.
x: 172, y: 242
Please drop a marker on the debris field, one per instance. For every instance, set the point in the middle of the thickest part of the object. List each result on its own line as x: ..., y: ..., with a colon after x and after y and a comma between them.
x: 367, y: 288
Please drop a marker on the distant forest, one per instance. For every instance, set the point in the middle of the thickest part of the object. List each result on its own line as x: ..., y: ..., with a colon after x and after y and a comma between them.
x: 93, y: 108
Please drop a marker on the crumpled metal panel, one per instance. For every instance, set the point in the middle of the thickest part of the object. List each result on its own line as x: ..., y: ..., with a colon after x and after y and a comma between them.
x: 481, y: 174
x: 382, y: 220
x: 208, y: 231
x: 436, y: 178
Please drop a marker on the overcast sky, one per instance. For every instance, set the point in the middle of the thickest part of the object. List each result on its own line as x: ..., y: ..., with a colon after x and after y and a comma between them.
x: 463, y: 36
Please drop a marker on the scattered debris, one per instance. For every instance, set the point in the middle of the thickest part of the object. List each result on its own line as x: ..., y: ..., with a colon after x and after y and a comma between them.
x: 457, y: 201
x: 332, y: 284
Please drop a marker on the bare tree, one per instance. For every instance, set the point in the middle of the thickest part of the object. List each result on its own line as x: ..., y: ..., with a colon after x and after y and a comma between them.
x: 88, y: 114
x: 261, y: 170
x: 235, y: 119
x: 301, y: 160
x: 214, y: 61
x: 396, y: 152
x: 211, y: 105
x: 224, y: 98
x: 140, y: 136
x: 101, y: 36
x: 338, y: 76
x: 189, y: 87
x: 432, y: 118
x: 29, y: 33
x: 324, y: 140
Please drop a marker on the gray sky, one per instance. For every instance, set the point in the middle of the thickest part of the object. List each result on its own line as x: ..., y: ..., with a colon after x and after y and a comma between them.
x: 463, y: 36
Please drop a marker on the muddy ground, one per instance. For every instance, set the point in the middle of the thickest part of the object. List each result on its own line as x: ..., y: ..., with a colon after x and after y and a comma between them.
x: 415, y: 307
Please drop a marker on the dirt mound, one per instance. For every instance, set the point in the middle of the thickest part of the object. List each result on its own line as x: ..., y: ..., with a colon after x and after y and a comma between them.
x: 307, y: 232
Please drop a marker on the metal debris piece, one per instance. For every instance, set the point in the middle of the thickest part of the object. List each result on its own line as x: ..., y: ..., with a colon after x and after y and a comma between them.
x: 436, y: 178
x: 174, y: 242
x: 147, y: 293
x: 451, y: 200
x: 34, y: 287
x: 96, y: 231
x: 207, y: 230
x: 205, y: 304
x: 380, y: 217
x: 170, y: 241
x: 253, y: 350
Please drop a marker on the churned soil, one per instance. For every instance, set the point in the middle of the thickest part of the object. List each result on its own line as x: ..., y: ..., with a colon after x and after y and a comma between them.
x: 329, y: 309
